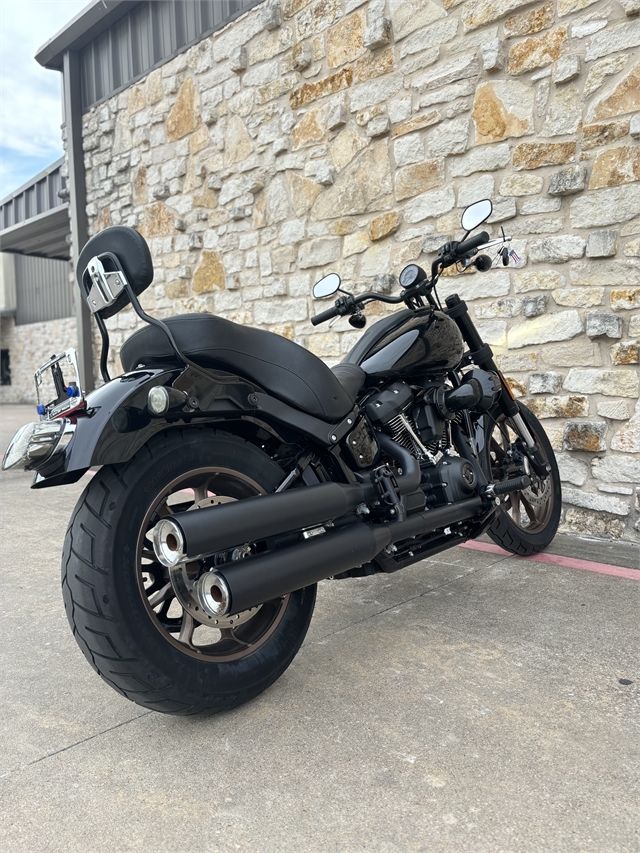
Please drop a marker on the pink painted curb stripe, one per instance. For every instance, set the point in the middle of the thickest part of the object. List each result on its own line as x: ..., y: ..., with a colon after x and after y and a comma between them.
x: 557, y: 560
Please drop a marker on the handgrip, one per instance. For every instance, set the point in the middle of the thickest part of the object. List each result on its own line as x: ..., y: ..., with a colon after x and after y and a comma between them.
x: 472, y: 243
x: 324, y: 316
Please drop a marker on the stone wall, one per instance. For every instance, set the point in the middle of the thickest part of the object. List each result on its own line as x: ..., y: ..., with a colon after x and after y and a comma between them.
x: 338, y: 135
x: 30, y: 346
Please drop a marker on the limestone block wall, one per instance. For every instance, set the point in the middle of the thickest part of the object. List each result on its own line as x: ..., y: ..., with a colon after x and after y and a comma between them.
x: 30, y: 346
x: 338, y: 135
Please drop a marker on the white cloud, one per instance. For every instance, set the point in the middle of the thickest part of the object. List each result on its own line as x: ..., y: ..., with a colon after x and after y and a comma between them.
x: 30, y: 100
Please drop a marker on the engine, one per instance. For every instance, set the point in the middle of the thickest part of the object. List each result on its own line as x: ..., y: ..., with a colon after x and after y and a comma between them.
x: 416, y: 416
x: 419, y: 418
x: 395, y: 407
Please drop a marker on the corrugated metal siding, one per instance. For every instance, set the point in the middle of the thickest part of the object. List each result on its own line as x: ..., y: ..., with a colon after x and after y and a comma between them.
x: 147, y: 36
x: 32, y: 200
x: 43, y: 289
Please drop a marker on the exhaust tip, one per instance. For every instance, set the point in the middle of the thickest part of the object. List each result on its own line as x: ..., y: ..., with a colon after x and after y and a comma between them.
x: 214, y: 594
x: 168, y: 543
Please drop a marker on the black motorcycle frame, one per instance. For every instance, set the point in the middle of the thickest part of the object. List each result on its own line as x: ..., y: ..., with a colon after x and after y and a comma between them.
x: 116, y: 424
x: 116, y: 421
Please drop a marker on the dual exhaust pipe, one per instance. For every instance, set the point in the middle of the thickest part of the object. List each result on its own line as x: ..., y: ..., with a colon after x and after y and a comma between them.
x: 245, y: 583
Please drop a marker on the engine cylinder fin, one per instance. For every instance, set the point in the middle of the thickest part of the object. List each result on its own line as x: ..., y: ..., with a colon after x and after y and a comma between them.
x: 400, y: 434
x: 405, y: 433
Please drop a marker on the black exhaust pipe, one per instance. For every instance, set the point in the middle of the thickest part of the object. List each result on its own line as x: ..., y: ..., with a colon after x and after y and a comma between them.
x: 246, y: 583
x: 411, y: 475
x: 239, y: 585
x: 189, y: 535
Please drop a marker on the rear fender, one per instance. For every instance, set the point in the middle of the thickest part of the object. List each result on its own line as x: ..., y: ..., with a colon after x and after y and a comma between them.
x: 117, y: 422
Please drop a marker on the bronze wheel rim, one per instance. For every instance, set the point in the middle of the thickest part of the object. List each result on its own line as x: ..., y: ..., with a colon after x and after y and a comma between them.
x: 196, y: 639
x: 529, y: 509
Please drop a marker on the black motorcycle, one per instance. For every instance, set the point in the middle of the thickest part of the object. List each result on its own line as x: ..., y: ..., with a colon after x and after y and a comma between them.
x: 236, y: 470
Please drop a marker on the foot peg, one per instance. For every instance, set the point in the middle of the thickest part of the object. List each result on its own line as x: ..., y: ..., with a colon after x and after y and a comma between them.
x: 515, y: 485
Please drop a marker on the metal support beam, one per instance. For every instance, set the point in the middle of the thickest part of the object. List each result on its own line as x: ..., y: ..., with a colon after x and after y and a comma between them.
x: 77, y: 206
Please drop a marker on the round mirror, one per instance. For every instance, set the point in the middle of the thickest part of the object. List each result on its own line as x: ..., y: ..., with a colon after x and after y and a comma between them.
x: 476, y: 213
x: 327, y: 286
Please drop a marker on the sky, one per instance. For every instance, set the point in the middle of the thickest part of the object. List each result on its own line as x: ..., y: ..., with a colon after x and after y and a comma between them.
x: 30, y: 96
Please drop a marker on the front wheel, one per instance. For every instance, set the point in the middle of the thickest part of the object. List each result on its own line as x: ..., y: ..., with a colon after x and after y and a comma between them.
x: 122, y: 604
x: 528, y: 519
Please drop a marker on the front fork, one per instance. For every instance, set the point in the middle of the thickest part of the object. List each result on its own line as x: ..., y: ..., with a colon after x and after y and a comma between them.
x: 482, y: 355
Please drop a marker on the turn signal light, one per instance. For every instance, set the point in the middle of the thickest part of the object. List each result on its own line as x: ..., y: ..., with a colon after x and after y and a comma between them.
x: 161, y: 399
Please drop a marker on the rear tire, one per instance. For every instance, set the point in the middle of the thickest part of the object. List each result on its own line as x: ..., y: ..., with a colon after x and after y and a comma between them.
x: 121, y: 606
x: 514, y: 529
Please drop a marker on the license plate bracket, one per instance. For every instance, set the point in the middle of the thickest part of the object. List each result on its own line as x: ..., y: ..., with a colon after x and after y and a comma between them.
x: 69, y: 397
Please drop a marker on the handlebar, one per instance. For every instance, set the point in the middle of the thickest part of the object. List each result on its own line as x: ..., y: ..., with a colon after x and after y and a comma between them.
x: 452, y: 253
x: 372, y: 295
x: 455, y: 251
x: 472, y: 243
x: 324, y: 316
x: 349, y: 304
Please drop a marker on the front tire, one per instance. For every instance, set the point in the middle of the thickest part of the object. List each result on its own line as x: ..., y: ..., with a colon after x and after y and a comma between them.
x: 119, y: 600
x: 528, y: 520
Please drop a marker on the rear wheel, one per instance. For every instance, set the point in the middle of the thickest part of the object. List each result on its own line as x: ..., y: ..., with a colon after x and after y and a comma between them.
x: 528, y: 519
x: 148, y: 643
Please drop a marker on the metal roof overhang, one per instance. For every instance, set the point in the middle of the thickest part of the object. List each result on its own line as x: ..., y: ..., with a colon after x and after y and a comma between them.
x: 34, y: 180
x: 86, y: 25
x: 46, y: 235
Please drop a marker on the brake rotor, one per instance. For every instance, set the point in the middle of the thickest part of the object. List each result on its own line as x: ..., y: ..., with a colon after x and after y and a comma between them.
x: 541, y: 495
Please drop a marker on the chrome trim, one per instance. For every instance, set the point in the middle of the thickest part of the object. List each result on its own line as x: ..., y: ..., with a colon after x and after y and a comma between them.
x: 495, y: 242
x: 36, y: 444
x: 168, y: 543
x: 214, y: 594
x: 53, y: 409
x: 523, y: 429
x: 313, y: 531
x: 107, y: 286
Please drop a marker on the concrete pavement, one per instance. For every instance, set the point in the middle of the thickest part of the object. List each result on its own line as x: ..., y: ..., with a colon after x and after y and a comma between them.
x: 470, y: 703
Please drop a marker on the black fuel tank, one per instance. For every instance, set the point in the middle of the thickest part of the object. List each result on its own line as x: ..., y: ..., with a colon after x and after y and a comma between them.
x: 409, y: 344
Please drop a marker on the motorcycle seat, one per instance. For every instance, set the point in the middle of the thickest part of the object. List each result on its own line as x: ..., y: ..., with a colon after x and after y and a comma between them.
x: 280, y: 366
x: 351, y: 377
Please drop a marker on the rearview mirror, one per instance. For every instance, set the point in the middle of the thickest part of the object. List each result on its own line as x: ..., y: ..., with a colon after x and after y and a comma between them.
x: 327, y: 286
x: 476, y: 213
